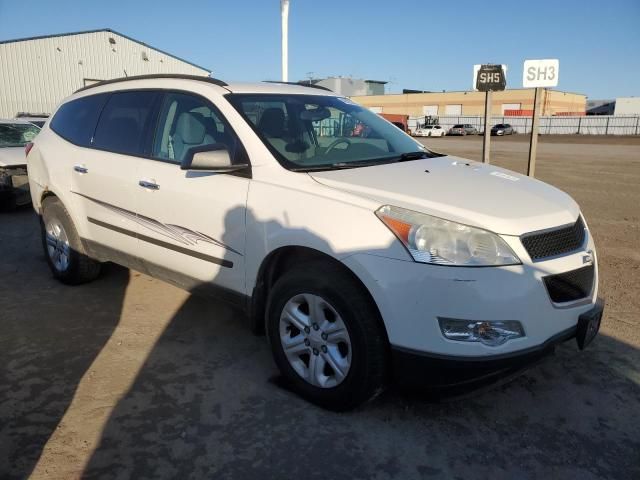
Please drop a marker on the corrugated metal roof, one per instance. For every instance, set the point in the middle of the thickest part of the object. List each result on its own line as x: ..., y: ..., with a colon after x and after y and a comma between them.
x: 40, y: 37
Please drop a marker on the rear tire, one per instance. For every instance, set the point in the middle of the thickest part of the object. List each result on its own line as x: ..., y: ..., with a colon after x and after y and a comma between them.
x: 63, y: 249
x: 337, y: 349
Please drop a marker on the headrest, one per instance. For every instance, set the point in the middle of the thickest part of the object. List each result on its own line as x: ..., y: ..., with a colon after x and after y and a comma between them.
x: 272, y: 122
x: 190, y: 129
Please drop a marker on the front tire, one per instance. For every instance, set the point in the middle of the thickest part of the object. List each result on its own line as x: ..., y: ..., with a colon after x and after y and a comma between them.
x: 63, y: 249
x: 327, y: 337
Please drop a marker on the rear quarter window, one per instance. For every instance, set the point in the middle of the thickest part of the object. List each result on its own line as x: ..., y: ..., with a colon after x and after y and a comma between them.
x: 76, y: 120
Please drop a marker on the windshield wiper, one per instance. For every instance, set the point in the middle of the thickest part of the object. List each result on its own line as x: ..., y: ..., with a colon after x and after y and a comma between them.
x: 405, y: 157
x: 338, y: 166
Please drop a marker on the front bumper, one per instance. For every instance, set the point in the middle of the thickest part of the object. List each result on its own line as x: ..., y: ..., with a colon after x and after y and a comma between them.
x: 417, y: 369
x: 412, y: 296
x: 14, y: 185
x: 413, y: 368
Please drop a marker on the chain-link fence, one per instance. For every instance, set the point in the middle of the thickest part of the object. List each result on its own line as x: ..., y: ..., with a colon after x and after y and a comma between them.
x: 587, y: 125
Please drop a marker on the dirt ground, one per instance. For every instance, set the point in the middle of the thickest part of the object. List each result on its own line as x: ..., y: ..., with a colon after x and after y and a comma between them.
x: 128, y: 377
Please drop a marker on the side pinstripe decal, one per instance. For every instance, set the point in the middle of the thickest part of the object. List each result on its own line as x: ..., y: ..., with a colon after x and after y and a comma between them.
x: 177, y: 233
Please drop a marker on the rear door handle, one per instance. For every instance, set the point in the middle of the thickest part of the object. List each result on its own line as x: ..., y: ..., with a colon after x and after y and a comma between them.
x: 81, y: 169
x: 150, y: 184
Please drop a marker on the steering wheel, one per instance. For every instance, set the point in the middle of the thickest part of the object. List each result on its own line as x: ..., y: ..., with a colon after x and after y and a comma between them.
x: 335, y: 143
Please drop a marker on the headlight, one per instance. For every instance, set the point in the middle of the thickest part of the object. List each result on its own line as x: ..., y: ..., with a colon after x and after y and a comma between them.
x: 442, y: 242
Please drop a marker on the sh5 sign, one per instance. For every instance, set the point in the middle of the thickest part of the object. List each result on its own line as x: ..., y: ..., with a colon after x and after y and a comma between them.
x: 540, y: 73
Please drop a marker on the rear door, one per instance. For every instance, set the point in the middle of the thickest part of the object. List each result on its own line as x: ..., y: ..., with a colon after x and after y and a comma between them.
x: 191, y: 225
x: 104, y: 177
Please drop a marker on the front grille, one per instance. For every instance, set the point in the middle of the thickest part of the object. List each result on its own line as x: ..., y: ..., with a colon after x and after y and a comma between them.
x: 569, y: 286
x: 555, y: 242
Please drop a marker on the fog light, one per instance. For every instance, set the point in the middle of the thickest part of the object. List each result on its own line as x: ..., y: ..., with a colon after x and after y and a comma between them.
x: 492, y: 333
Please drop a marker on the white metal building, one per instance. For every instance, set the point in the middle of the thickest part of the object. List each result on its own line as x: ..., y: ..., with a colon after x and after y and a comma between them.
x: 348, y: 86
x: 37, y: 73
x: 627, y: 106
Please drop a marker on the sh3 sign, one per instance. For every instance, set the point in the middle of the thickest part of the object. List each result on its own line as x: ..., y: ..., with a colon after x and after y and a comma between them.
x: 540, y: 73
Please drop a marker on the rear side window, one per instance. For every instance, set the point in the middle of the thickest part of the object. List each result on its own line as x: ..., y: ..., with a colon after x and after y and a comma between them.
x: 124, y: 122
x: 75, y: 121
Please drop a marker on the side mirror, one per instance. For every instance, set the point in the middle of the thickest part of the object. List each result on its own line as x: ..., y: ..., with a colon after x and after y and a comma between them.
x: 211, y: 158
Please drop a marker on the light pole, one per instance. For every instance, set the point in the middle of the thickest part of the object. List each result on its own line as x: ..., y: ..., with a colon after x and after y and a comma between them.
x: 284, y: 13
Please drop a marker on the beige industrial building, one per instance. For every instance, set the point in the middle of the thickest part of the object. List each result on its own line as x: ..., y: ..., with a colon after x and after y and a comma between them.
x: 515, y: 102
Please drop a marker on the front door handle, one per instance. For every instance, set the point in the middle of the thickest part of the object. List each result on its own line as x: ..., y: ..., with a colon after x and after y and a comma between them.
x: 150, y: 184
x: 81, y: 169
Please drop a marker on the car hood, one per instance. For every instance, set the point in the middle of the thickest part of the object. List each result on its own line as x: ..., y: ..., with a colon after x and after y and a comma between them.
x: 461, y: 190
x: 10, y: 156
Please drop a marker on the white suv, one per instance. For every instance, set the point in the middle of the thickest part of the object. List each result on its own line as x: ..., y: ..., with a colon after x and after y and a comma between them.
x: 359, y: 251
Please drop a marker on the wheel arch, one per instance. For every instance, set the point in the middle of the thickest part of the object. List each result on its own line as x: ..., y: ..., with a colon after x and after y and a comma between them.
x: 276, y: 263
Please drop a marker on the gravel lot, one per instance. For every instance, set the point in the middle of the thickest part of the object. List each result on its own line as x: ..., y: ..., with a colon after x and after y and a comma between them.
x: 128, y: 377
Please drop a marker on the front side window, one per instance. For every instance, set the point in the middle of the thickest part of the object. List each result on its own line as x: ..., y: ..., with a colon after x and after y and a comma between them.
x: 124, y: 122
x: 187, y: 122
x: 323, y: 132
x: 17, y: 134
x: 75, y: 121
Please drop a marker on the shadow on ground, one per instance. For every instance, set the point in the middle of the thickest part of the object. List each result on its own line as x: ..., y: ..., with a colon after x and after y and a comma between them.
x: 49, y: 337
x: 202, y: 407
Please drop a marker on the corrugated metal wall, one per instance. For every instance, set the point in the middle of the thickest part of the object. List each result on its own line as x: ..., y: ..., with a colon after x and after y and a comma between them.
x: 35, y: 75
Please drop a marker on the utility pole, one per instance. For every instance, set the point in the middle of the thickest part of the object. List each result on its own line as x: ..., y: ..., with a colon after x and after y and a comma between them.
x: 533, y: 142
x: 486, y: 142
x: 284, y: 13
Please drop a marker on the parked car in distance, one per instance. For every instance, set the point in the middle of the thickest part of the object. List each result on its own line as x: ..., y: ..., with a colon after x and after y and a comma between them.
x: 362, y: 257
x: 502, y: 129
x: 430, y: 131
x: 463, y: 129
x: 14, y: 185
x: 38, y: 119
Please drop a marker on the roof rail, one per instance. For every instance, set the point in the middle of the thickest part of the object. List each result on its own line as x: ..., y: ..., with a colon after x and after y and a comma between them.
x: 300, y: 84
x: 200, y: 78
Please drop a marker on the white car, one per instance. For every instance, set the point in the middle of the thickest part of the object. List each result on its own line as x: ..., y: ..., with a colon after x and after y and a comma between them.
x: 430, y: 131
x: 14, y: 185
x: 360, y: 252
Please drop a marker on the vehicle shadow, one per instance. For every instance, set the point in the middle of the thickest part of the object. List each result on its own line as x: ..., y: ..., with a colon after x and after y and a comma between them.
x: 50, y: 335
x: 207, y: 403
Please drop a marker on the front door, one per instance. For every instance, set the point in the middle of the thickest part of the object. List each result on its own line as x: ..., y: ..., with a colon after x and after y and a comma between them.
x: 191, y: 225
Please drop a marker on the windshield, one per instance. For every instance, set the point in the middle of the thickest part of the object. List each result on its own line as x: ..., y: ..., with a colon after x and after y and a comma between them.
x: 17, y: 134
x: 310, y: 132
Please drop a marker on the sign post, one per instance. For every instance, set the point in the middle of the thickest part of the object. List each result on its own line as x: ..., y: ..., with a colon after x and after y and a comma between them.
x: 537, y: 74
x: 533, y: 141
x: 486, y: 140
x: 489, y: 78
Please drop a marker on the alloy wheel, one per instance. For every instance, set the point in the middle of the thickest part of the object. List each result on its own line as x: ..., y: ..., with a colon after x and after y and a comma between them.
x: 315, y: 340
x: 57, y: 245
